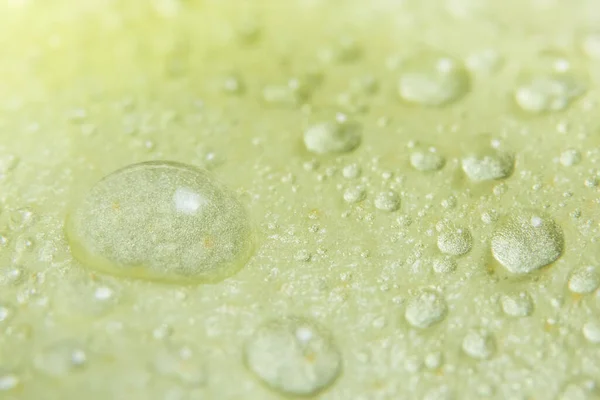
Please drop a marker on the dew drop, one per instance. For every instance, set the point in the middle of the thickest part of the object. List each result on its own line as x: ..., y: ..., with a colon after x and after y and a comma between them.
x: 8, y: 381
x: 479, y: 344
x: 426, y: 309
x: 455, y: 240
x: 341, y: 136
x: 517, y: 304
x: 387, y: 201
x: 427, y: 160
x: 527, y: 241
x: 160, y: 221
x: 444, y: 265
x: 488, y: 164
x: 570, y: 157
x: 591, y: 331
x: 355, y: 194
x: 294, y: 356
x: 351, y: 171
x: 552, y: 87
x: 584, y: 280
x: 433, y: 80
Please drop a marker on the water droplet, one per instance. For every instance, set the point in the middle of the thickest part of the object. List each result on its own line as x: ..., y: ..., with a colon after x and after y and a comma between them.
x: 426, y: 309
x: 387, y: 201
x: 444, y: 265
x: 434, y: 360
x: 455, y: 240
x: 591, y: 331
x: 433, y: 80
x: 351, y: 171
x: 570, y: 157
x: 517, y: 304
x: 355, y: 194
x: 486, y: 61
x: 61, y: 358
x: 332, y: 137
x: 6, y: 313
x: 160, y: 221
x: 294, y: 356
x: 584, y: 280
x: 479, y: 344
x: 20, y: 219
x: 427, y: 160
x: 11, y: 275
x: 526, y: 241
x: 548, y: 90
x: 488, y: 164
x: 8, y: 381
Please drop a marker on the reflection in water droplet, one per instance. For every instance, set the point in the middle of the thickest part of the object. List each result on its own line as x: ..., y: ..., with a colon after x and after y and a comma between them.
x: 163, y: 221
x: 526, y: 241
x: 294, y: 356
x: 433, y: 80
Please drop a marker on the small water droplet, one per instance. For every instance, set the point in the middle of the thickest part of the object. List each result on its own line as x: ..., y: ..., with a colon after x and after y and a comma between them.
x: 60, y: 359
x: 426, y: 309
x: 332, y: 137
x: 584, y: 280
x: 387, y: 201
x: 355, y: 194
x: 444, y: 265
x: 427, y: 160
x: 488, y: 164
x: 479, y: 344
x: 570, y: 157
x: 294, y: 356
x: 455, y: 240
x: 518, y: 304
x: 433, y: 80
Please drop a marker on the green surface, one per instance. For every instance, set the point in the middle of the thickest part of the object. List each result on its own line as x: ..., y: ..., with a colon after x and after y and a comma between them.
x: 447, y: 252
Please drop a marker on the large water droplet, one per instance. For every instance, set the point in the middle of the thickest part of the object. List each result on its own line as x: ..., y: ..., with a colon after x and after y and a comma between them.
x: 455, y: 240
x: 433, y: 80
x: 526, y: 241
x: 294, y: 356
x: 160, y: 221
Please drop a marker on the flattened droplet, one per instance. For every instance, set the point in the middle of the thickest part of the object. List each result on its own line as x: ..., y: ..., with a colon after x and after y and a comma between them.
x: 426, y: 309
x: 160, y: 221
x: 584, y: 280
x: 433, y: 80
x: 488, y: 164
x: 294, y: 356
x: 340, y: 136
x: 527, y: 241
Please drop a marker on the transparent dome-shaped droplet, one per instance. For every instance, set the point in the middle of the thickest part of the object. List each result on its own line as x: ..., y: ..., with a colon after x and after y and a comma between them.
x: 526, y: 241
x: 387, y: 201
x: 427, y: 160
x: 455, y: 240
x: 584, y: 280
x: 551, y: 85
x: 426, y: 309
x: 341, y: 136
x: 479, y: 344
x: 591, y: 331
x: 517, y: 304
x: 60, y: 359
x: 487, y: 164
x: 160, y: 221
x: 294, y: 356
x: 433, y: 80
